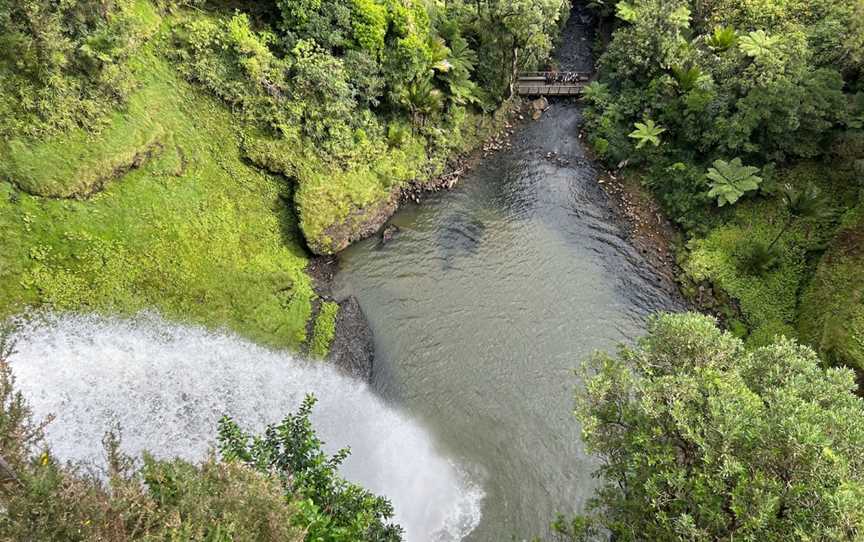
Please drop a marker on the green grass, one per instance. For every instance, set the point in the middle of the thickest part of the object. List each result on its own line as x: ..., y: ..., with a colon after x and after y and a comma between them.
x: 325, y: 329
x: 162, y: 209
x: 194, y: 233
x: 79, y: 163
x: 330, y: 196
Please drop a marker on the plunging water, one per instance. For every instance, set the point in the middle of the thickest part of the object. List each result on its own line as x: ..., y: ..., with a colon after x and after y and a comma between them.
x: 168, y: 385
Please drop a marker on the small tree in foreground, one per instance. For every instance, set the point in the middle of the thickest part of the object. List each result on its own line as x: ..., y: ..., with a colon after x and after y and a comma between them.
x: 702, y: 440
x: 333, y: 509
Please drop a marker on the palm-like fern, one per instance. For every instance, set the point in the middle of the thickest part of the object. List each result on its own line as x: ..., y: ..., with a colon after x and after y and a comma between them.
x: 809, y: 203
x: 456, y: 77
x: 757, y: 44
x: 688, y: 78
x: 596, y: 93
x: 723, y: 38
x: 421, y: 98
x: 731, y: 180
x: 647, y: 132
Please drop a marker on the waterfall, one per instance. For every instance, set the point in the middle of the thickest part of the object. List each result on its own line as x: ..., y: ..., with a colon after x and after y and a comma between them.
x: 167, y: 385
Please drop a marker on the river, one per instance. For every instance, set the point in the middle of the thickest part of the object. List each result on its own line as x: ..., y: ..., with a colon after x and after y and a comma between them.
x: 481, y: 307
x: 490, y: 295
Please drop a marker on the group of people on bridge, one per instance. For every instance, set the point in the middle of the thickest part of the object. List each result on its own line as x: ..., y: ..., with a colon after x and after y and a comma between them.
x: 562, y: 78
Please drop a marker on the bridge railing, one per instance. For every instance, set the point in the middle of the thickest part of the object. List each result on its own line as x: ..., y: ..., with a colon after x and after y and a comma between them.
x: 577, y: 76
x: 551, y: 83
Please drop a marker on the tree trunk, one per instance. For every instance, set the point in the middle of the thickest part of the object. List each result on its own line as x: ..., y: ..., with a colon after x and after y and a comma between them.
x: 782, y: 231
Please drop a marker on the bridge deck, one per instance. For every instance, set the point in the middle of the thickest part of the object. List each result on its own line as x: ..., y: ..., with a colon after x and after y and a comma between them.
x: 551, y: 83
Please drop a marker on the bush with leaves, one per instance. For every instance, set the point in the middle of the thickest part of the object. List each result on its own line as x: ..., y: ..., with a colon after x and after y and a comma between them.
x: 65, y: 64
x: 333, y: 509
x: 761, y: 80
x: 700, y: 439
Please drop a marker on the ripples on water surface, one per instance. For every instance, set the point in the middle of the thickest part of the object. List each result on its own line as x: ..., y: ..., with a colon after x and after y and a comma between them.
x: 484, y: 302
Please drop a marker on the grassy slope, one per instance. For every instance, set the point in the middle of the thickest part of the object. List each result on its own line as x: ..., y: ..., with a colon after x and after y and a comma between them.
x: 769, y: 303
x: 162, y: 209
x: 80, y: 163
x: 194, y: 233
x: 832, y: 307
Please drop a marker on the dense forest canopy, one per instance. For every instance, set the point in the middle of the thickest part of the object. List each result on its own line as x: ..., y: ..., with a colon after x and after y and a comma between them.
x: 325, y: 67
x: 700, y: 439
x: 745, y: 120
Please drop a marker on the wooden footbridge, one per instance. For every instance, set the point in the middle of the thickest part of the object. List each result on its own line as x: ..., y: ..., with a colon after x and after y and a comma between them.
x: 551, y: 83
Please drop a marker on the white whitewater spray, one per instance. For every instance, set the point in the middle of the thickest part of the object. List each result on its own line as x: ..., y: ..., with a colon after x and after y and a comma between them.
x: 168, y: 385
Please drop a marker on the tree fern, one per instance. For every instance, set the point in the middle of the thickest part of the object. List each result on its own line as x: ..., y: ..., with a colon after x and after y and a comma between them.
x: 757, y: 44
x: 626, y: 12
x: 688, y: 78
x: 647, y: 132
x: 731, y: 180
x: 723, y: 38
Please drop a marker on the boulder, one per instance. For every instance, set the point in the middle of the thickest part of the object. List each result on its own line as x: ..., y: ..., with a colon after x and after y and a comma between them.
x: 353, y: 348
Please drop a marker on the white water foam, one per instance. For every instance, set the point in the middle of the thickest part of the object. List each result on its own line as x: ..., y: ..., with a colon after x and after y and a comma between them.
x: 167, y: 385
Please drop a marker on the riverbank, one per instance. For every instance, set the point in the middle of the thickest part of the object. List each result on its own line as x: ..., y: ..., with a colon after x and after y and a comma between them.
x: 353, y: 346
x: 649, y: 229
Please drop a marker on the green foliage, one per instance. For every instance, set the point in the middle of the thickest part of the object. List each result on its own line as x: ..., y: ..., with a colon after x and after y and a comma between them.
x: 626, y: 12
x: 757, y: 44
x: 325, y: 329
x: 682, y: 190
x: 721, y: 259
x: 723, y: 38
x: 195, y: 232
x: 647, y: 132
x: 756, y: 257
x: 832, y: 306
x: 695, y: 436
x: 65, y: 64
x: 79, y: 163
x: 731, y: 180
x: 323, y: 85
x: 806, y: 203
x: 765, y: 97
x: 687, y: 79
x: 333, y: 510
x: 370, y: 25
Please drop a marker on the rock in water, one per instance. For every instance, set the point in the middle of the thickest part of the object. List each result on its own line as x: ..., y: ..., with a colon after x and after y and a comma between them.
x: 388, y: 233
x: 353, y: 348
x: 540, y: 104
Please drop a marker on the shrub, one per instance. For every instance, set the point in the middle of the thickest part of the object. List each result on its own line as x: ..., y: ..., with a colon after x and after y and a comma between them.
x: 756, y: 257
x: 66, y: 64
x: 335, y: 510
x: 731, y: 180
x: 695, y: 436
